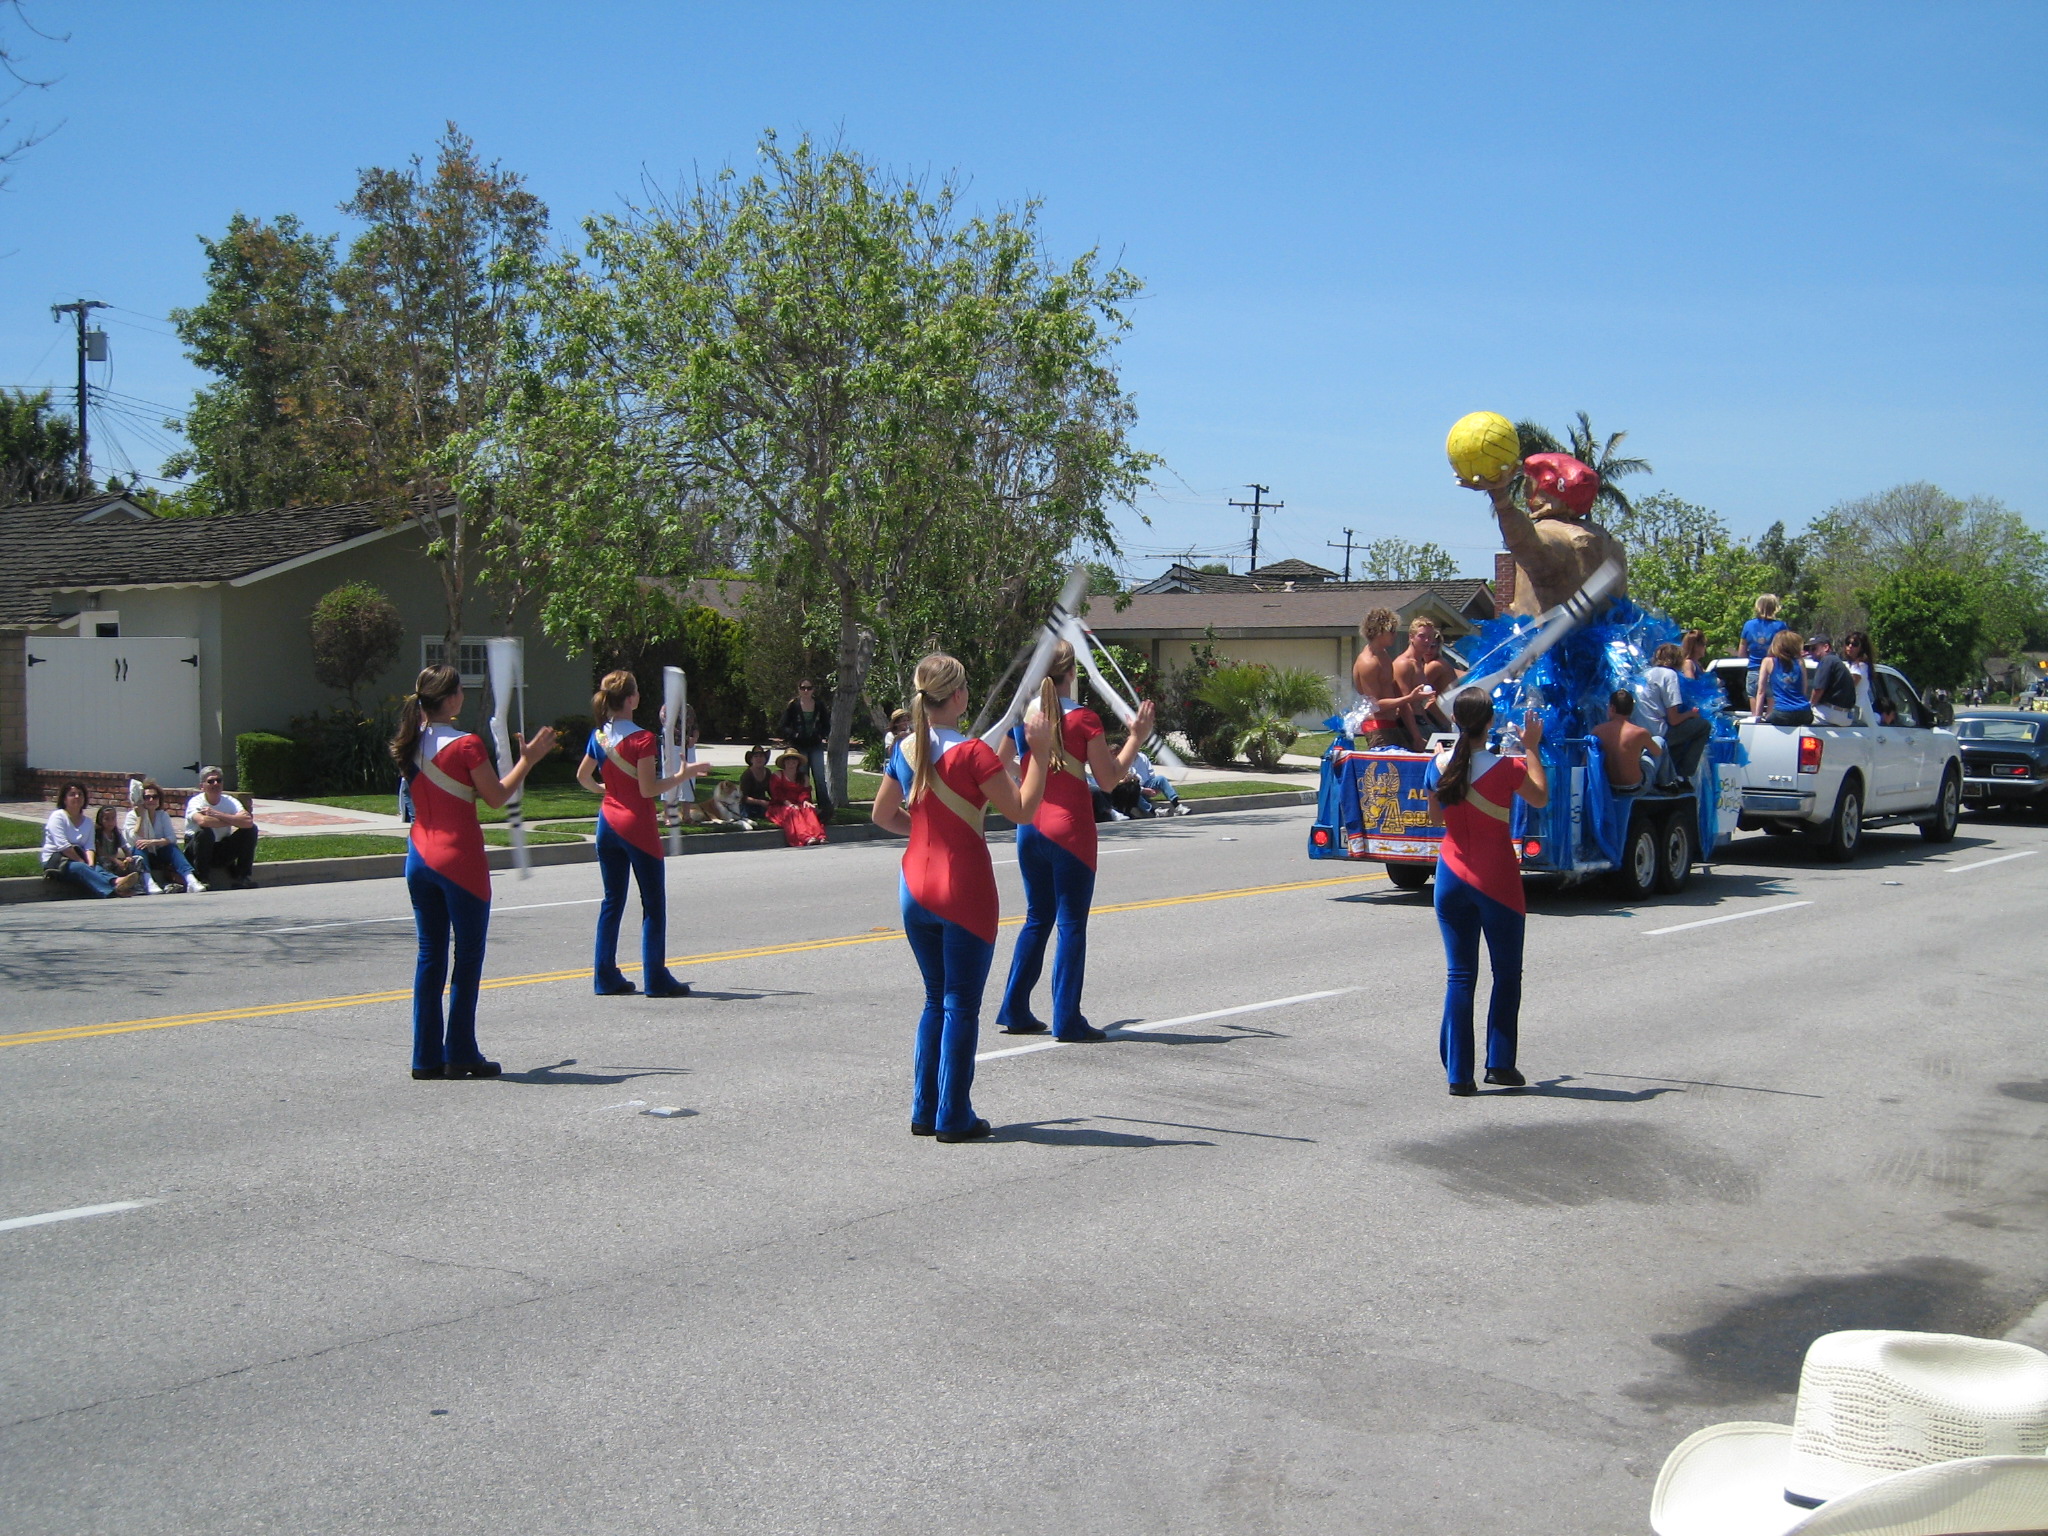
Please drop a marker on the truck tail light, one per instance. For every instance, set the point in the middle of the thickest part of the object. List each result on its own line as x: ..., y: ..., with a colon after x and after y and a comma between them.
x: 1809, y: 754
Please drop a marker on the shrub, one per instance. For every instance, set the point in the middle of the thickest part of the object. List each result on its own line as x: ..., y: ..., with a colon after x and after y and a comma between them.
x: 575, y: 733
x: 1258, y: 703
x: 356, y: 635
x: 267, y: 764
x: 346, y: 751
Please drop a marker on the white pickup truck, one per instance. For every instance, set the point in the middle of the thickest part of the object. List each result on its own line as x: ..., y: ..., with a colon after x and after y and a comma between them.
x: 1829, y: 782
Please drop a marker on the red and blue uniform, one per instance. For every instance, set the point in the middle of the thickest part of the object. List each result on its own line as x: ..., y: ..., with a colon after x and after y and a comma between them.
x: 949, y: 915
x: 629, y: 852
x: 1479, y: 893
x: 1056, y: 856
x: 449, y: 881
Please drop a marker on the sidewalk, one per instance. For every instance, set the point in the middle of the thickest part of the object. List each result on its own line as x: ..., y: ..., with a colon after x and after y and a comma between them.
x: 274, y: 818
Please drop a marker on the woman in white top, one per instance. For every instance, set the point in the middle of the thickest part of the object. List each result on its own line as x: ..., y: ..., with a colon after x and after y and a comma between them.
x: 155, y: 840
x: 1857, y: 653
x: 67, y: 848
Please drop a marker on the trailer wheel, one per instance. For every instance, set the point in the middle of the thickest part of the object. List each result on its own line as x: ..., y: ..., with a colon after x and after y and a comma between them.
x: 1674, y: 853
x: 1636, y: 875
x: 1408, y: 877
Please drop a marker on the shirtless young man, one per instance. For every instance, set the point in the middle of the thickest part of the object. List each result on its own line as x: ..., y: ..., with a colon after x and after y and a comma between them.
x: 1623, y: 743
x: 1392, y: 721
x: 1423, y: 662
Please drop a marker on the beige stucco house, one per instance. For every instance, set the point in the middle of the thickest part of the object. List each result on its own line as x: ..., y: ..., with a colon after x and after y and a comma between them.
x: 183, y: 633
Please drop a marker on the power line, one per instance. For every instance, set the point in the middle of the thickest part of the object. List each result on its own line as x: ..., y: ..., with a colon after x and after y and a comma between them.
x: 1257, y: 506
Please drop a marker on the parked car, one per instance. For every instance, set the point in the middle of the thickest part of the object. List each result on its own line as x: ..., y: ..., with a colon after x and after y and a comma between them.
x: 1830, y: 782
x: 2005, y: 758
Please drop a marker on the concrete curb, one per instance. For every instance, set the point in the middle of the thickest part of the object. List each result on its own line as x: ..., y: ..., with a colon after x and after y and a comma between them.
x: 389, y: 866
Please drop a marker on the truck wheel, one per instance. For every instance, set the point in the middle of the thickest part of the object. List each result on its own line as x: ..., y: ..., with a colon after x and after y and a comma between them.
x: 1941, y: 826
x: 1408, y: 877
x: 1843, y: 835
x: 1636, y: 875
x: 1674, y: 853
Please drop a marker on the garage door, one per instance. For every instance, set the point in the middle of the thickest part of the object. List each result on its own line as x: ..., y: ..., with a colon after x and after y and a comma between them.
x: 114, y: 706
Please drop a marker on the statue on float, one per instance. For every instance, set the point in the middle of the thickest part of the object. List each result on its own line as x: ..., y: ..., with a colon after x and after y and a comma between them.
x: 1557, y: 547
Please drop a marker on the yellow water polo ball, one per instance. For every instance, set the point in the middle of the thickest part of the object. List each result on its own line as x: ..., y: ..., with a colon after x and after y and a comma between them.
x: 1483, y: 446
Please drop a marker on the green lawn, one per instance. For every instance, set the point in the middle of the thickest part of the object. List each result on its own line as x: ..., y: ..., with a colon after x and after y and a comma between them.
x: 20, y: 834
x: 1311, y: 743
x: 14, y: 865
x: 1211, y: 789
x: 550, y: 795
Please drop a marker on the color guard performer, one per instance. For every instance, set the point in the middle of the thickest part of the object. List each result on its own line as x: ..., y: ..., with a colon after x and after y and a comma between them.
x: 936, y: 789
x: 1056, y: 855
x: 446, y: 771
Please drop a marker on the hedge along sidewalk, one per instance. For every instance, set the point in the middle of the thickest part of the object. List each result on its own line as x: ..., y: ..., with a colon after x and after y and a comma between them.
x: 389, y: 866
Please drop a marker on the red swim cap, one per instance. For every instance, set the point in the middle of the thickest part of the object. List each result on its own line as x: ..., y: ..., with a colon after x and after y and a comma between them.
x: 1571, y: 482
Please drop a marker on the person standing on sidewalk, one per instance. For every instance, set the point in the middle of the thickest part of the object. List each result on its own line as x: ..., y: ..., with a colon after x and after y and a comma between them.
x: 1479, y: 885
x: 806, y: 727
x: 1056, y: 854
x: 936, y: 789
x: 446, y: 874
x: 628, y: 836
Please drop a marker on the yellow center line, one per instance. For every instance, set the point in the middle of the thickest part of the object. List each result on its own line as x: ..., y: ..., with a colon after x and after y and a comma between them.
x: 541, y: 978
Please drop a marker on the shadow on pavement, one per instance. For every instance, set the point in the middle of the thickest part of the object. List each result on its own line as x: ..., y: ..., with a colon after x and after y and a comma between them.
x: 1556, y: 1088
x: 1056, y: 1133
x: 553, y: 1073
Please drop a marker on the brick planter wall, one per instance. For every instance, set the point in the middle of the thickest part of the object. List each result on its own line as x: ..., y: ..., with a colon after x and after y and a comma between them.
x: 13, y: 711
x: 100, y: 788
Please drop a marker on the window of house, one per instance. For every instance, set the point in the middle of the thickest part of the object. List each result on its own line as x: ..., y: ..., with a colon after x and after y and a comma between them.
x: 471, y: 658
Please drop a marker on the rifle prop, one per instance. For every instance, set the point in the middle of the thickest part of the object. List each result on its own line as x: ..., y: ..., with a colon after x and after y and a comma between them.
x: 1087, y: 648
x: 675, y: 715
x: 1041, y: 653
x: 508, y: 677
x: 1551, y: 627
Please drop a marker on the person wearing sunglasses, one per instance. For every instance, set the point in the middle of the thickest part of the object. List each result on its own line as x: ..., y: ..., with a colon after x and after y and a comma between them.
x: 223, y: 834
x: 806, y: 727
x: 155, y: 841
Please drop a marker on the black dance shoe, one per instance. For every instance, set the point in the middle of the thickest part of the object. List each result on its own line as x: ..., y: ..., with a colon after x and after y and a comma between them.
x: 1023, y: 1027
x: 922, y: 1130
x: 1087, y: 1034
x: 975, y: 1132
x: 613, y: 986
x: 475, y: 1069
x: 668, y: 987
x: 1507, y: 1077
x: 420, y: 1073
x: 1464, y: 1090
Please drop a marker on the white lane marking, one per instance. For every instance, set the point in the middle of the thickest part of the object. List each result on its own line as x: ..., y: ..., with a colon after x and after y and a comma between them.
x: 76, y: 1213
x: 628, y: 1104
x: 364, y: 922
x: 1186, y: 1018
x: 1729, y: 917
x: 1963, y: 869
x: 1100, y: 853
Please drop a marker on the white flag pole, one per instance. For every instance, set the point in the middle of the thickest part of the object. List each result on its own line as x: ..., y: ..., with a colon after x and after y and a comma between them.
x: 676, y: 712
x: 508, y: 678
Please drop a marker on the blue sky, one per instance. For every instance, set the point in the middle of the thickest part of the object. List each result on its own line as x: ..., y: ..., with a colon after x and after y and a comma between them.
x: 1797, y: 250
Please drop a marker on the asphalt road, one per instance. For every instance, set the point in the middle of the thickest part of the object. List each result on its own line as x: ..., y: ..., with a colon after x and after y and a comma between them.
x: 1250, y: 1271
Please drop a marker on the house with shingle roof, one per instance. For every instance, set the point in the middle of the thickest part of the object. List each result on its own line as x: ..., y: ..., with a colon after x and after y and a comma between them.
x: 165, y: 638
x: 1292, y: 621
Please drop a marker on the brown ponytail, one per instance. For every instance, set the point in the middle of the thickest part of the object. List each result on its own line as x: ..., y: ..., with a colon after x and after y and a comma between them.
x: 430, y: 691
x: 939, y: 677
x: 609, y: 702
x: 1473, y: 712
x: 1059, y: 670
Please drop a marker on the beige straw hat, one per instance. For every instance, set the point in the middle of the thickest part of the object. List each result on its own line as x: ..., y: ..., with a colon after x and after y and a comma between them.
x: 1893, y: 1434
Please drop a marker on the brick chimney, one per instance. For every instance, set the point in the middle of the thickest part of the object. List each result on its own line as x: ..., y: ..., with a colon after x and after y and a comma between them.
x: 1503, y: 581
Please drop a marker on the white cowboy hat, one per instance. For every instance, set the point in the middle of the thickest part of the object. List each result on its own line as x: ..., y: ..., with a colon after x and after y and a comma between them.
x: 1894, y: 1434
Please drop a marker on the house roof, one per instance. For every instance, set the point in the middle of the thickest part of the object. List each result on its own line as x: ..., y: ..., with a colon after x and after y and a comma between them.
x: 1277, y: 577
x: 1326, y: 608
x: 77, y: 547
x: 1293, y: 570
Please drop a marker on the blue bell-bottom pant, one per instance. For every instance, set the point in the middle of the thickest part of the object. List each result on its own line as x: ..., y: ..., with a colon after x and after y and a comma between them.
x: 621, y: 863
x: 955, y: 965
x: 440, y: 908
x: 1464, y: 914
x: 1058, y: 891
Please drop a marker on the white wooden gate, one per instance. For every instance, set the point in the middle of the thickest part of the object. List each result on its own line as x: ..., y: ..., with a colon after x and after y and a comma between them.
x: 115, y: 706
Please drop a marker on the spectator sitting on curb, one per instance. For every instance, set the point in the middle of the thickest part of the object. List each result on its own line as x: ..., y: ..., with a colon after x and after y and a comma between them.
x: 1153, y: 782
x: 805, y: 728
x: 755, y: 781
x: 155, y: 841
x: 111, y: 854
x: 223, y: 833
x: 68, y: 846
x: 1629, y: 751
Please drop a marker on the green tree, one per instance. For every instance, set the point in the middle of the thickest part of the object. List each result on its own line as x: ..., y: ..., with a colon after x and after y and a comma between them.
x: 1924, y: 620
x: 38, y: 450
x: 1397, y: 559
x: 911, y: 416
x: 356, y: 634
x: 264, y: 434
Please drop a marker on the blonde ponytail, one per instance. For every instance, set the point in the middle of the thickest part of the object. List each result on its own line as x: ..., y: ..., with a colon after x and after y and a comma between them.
x: 613, y: 689
x: 939, y: 677
x: 1059, y: 670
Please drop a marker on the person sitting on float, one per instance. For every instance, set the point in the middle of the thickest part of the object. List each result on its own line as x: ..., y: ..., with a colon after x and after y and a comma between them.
x: 1629, y: 752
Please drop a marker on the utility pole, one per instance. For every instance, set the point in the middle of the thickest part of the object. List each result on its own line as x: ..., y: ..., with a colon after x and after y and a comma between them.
x: 1346, y: 546
x: 1255, y: 506
x: 81, y: 308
